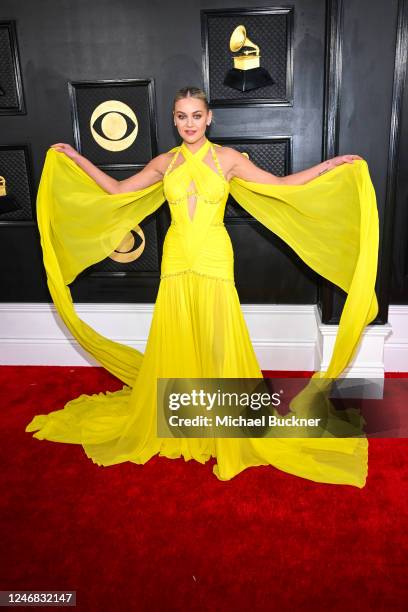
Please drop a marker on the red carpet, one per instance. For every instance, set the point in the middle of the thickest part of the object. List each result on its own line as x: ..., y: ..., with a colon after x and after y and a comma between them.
x: 169, y: 536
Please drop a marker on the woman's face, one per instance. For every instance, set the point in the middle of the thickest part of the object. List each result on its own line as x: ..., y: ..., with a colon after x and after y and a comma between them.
x: 191, y: 118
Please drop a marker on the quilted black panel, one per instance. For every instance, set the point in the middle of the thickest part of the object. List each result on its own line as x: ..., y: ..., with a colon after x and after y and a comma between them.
x: 8, y: 85
x: 88, y: 97
x: 14, y: 168
x: 147, y: 262
x: 269, y: 32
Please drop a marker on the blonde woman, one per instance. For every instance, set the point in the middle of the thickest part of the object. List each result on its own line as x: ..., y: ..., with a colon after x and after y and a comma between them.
x: 198, y: 329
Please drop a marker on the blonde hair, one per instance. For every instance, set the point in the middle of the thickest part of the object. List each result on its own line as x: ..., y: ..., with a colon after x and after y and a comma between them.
x: 193, y: 92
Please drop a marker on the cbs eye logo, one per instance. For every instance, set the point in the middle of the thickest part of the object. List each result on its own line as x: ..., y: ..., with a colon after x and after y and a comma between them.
x: 127, y: 250
x: 114, y: 125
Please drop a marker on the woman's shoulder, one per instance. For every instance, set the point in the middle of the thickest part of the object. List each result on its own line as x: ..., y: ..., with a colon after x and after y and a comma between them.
x: 229, y: 158
x: 162, y: 160
x: 227, y: 153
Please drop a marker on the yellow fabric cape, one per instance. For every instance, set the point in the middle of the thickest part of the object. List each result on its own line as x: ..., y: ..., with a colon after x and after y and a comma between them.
x: 331, y: 222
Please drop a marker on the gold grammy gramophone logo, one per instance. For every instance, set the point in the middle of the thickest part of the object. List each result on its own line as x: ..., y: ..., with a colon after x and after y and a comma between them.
x: 247, y: 73
x: 250, y: 51
x: 8, y: 202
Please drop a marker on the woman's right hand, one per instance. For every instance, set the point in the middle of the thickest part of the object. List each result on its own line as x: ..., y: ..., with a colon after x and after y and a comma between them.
x: 62, y: 147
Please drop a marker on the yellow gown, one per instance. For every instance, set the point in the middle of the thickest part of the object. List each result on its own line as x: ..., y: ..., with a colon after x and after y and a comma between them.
x: 197, y: 328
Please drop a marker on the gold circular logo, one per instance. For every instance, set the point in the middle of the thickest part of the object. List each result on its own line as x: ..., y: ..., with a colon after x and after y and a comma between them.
x: 114, y: 125
x: 126, y: 252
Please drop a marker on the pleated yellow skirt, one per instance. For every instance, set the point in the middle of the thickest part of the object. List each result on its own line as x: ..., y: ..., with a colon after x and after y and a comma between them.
x: 197, y: 330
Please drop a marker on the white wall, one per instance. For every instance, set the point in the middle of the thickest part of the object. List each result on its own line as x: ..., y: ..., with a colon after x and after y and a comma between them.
x: 285, y: 337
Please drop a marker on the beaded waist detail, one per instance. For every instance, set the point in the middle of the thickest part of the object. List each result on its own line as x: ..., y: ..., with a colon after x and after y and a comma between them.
x: 197, y: 195
x: 190, y: 270
x: 216, y: 224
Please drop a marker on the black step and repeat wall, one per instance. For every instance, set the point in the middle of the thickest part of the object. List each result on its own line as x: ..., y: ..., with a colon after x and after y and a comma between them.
x: 326, y: 79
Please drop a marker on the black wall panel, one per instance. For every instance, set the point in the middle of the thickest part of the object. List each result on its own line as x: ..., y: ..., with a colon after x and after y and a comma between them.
x: 70, y: 40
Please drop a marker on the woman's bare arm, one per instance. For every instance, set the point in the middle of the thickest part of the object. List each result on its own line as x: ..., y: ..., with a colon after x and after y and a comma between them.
x: 304, y: 176
x: 242, y: 167
x: 150, y: 174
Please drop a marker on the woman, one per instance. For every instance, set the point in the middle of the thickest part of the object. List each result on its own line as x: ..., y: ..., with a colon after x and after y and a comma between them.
x: 197, y: 329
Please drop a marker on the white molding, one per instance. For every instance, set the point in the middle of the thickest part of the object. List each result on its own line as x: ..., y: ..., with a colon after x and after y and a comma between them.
x: 368, y: 361
x: 284, y: 336
x: 396, y: 345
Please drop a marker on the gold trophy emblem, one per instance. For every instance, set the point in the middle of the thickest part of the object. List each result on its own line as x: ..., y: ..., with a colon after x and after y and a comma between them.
x: 247, y: 73
x: 8, y: 203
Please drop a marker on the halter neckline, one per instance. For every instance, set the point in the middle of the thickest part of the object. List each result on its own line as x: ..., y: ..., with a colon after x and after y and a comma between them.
x: 199, y: 153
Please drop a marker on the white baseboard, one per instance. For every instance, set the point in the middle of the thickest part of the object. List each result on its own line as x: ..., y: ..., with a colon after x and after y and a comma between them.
x: 285, y: 337
x: 396, y: 345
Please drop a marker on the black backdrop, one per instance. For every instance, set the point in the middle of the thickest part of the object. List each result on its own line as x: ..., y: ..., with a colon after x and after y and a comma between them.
x: 70, y: 40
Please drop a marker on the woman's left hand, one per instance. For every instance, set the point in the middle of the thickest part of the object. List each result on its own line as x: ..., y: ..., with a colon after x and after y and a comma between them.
x: 341, y: 159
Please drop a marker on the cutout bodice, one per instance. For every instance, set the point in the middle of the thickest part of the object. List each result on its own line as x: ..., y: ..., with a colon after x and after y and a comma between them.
x: 192, y: 188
